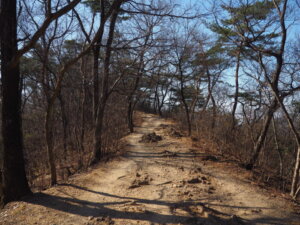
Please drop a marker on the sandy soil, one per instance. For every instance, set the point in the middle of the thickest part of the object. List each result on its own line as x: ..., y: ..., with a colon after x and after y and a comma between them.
x: 166, y: 182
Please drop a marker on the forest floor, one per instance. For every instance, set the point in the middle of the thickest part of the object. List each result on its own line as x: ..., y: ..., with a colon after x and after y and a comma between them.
x: 169, y: 181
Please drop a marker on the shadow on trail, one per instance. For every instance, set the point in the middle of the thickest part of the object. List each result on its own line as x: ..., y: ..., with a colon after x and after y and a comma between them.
x: 100, y: 209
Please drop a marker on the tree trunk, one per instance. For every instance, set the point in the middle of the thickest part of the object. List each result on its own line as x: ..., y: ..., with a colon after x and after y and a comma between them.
x: 188, y: 118
x: 156, y: 99
x: 83, y: 103
x: 96, y: 52
x: 210, y: 86
x: 214, y: 108
x: 14, y: 182
x: 185, y: 105
x: 259, y: 143
x: 130, y: 110
x: 236, y: 94
x: 105, y: 92
x: 193, y: 107
x: 195, y: 99
x: 295, y: 189
x: 277, y: 148
x: 129, y: 116
x: 98, y: 133
x: 295, y: 179
x: 49, y: 142
x: 160, y: 108
x: 211, y: 96
x: 131, y: 102
x: 64, y: 119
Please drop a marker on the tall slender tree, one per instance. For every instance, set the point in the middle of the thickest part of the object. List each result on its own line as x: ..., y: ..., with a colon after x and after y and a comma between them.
x: 14, y: 182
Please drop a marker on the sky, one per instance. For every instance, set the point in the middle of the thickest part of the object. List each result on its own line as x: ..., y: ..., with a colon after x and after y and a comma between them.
x: 292, y: 21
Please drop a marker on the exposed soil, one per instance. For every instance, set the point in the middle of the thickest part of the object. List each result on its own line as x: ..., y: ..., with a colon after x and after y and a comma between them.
x: 163, y: 182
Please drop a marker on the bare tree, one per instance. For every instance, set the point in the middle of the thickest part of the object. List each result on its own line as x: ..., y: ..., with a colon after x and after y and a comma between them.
x: 105, y: 89
x: 14, y: 182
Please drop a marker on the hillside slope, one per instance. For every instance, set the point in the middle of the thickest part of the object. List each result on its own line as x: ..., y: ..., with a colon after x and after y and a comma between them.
x: 168, y: 181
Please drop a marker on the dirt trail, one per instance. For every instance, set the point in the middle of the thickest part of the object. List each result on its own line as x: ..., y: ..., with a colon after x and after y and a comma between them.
x: 165, y: 182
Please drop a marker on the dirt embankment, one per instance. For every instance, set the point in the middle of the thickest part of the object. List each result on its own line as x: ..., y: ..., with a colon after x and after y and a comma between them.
x: 162, y: 179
